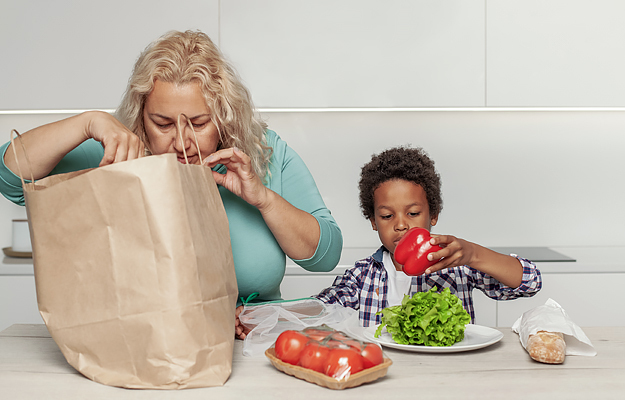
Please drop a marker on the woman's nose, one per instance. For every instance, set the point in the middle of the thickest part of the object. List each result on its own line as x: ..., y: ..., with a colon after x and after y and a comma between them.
x: 183, y: 138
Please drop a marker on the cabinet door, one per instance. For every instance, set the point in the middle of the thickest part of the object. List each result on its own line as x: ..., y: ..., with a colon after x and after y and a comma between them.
x: 79, y: 54
x: 298, y: 286
x: 485, y: 309
x: 555, y: 53
x: 18, y: 301
x: 357, y: 53
x: 588, y: 299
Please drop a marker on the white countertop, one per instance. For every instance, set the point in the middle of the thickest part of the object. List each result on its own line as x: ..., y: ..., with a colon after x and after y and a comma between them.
x: 608, y: 259
x: 32, y: 367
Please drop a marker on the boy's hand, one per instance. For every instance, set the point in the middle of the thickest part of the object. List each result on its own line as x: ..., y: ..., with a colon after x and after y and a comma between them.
x: 455, y: 252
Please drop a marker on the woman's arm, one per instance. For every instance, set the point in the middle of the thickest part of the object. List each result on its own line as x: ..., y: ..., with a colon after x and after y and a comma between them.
x: 48, y: 144
x: 296, y: 230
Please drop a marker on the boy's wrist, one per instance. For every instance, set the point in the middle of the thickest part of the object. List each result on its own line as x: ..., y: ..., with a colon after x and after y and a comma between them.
x: 476, y: 254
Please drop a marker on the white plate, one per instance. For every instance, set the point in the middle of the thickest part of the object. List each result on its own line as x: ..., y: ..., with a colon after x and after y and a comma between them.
x: 475, y: 337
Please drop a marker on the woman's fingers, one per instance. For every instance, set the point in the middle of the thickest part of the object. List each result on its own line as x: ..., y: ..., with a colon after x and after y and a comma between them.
x: 121, y: 147
x: 134, y: 148
x: 120, y: 144
x: 116, y: 148
x: 233, y: 158
x: 240, y: 177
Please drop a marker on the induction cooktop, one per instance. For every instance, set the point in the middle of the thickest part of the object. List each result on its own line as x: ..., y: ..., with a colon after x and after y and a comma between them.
x: 535, y: 254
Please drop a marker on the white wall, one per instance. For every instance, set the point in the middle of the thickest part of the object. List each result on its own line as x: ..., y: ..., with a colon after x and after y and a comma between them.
x: 509, y: 178
x: 515, y: 177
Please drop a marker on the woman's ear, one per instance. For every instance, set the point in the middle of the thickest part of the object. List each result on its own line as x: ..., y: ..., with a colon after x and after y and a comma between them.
x: 373, y: 225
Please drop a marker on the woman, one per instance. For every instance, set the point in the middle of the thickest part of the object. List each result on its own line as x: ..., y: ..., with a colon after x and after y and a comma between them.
x: 184, y: 98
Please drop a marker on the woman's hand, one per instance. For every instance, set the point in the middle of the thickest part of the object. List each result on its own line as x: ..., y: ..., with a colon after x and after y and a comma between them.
x: 296, y: 231
x: 240, y: 331
x: 48, y: 144
x: 120, y: 144
x: 240, y: 177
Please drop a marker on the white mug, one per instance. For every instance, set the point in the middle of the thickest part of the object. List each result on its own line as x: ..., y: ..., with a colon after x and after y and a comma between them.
x: 21, y: 236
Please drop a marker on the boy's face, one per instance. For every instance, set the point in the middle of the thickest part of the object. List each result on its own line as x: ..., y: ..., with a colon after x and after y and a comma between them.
x: 399, y: 206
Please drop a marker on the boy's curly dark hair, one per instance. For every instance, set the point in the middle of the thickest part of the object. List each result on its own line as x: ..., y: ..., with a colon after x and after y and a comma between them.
x: 409, y: 164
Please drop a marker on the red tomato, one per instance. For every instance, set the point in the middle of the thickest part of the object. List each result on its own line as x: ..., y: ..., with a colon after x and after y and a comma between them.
x: 353, y: 343
x: 339, y: 336
x: 333, y: 343
x: 343, y: 362
x: 314, y: 356
x: 317, y: 334
x: 289, y: 346
x: 371, y: 355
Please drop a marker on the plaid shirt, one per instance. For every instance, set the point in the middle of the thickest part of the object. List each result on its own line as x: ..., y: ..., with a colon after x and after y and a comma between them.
x: 363, y: 287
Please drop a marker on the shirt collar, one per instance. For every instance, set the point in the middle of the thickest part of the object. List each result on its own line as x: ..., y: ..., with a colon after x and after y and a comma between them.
x: 379, y: 255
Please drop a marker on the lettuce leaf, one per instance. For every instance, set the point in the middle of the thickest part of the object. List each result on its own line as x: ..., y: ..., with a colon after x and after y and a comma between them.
x: 427, y: 318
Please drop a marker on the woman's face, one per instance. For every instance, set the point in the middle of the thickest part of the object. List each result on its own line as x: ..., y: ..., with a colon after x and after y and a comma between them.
x: 160, y: 116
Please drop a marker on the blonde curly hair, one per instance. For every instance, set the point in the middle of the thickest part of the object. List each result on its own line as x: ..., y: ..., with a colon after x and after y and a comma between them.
x: 183, y: 57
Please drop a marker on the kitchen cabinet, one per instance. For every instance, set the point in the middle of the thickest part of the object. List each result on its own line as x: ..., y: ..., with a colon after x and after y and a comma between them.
x: 352, y: 53
x: 358, y: 53
x: 584, y: 309
x: 18, y: 300
x: 588, y: 299
x: 557, y: 53
x: 588, y: 289
x: 63, y: 54
x: 296, y: 286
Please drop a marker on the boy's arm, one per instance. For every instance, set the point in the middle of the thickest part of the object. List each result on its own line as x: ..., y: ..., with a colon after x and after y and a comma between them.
x: 456, y: 252
x: 345, y: 291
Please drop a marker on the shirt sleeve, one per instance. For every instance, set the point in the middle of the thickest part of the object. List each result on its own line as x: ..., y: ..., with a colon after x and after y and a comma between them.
x: 344, y: 291
x: 298, y: 187
x: 530, y: 284
x: 10, y: 184
x: 86, y: 155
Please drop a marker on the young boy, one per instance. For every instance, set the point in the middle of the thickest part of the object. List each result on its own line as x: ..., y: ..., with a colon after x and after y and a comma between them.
x: 400, y: 189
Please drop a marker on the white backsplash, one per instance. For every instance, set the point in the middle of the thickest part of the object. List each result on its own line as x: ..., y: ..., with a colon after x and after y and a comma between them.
x: 510, y: 178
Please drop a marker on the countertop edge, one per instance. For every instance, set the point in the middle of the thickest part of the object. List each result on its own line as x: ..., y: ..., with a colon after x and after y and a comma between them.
x: 589, y: 259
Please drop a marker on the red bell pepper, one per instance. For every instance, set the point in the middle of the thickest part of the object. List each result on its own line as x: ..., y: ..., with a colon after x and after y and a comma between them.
x: 412, y: 251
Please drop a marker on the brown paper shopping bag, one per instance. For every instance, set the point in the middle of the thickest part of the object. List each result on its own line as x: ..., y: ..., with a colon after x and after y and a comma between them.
x: 134, y: 273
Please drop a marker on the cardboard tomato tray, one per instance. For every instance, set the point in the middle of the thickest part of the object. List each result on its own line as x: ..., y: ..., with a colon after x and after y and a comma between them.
x: 364, y: 376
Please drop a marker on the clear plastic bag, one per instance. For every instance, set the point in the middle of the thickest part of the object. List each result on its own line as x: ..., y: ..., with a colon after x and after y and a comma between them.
x: 328, y: 357
x: 268, y: 320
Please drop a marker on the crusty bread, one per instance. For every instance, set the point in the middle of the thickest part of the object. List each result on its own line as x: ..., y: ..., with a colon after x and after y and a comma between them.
x: 547, y: 347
